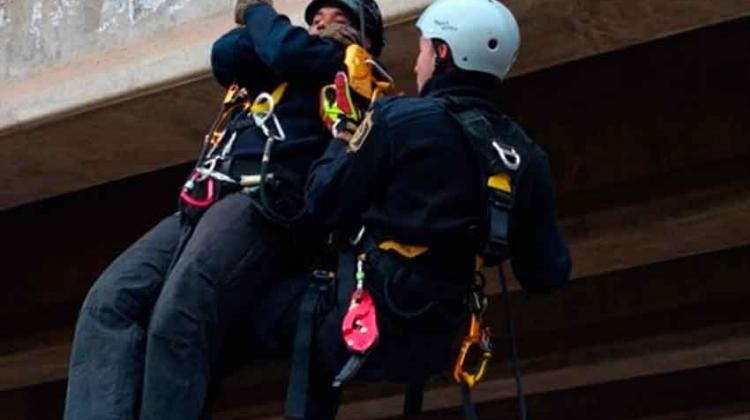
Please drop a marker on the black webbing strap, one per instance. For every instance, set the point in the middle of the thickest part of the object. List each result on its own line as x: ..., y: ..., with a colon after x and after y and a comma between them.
x: 469, y: 408
x: 345, y: 281
x: 413, y: 398
x: 299, y: 377
x: 351, y: 367
x: 477, y: 128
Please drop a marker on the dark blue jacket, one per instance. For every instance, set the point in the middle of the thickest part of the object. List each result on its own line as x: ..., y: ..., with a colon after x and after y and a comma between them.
x: 269, y: 50
x: 415, y: 180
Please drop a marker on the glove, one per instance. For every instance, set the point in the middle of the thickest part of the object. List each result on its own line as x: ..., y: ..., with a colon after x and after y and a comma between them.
x: 337, y: 108
x: 341, y: 33
x: 242, y: 5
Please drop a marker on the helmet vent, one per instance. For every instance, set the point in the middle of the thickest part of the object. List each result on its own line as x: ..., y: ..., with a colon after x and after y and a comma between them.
x: 492, y: 44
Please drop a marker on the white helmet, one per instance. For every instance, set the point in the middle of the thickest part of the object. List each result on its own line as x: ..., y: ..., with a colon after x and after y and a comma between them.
x: 482, y: 34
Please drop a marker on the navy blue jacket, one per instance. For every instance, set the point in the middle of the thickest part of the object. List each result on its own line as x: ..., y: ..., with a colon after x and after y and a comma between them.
x: 415, y: 179
x: 269, y: 50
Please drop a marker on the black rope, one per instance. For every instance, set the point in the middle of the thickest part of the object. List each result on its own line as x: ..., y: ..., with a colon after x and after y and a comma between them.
x: 362, y: 26
x: 513, y: 345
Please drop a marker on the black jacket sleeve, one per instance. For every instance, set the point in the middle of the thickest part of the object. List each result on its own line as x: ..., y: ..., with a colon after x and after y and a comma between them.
x: 232, y: 62
x: 539, y: 254
x: 289, y: 50
x: 343, y: 184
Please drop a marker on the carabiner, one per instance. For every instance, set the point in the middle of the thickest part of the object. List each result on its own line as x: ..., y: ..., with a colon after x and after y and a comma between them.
x: 479, y: 338
x: 260, y: 117
x: 510, y: 157
x: 197, y: 202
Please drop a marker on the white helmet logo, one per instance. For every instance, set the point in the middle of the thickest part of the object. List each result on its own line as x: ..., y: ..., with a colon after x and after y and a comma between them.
x: 444, y: 25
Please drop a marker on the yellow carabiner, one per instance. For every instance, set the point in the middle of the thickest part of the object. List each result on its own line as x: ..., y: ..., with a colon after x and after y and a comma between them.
x: 474, y: 338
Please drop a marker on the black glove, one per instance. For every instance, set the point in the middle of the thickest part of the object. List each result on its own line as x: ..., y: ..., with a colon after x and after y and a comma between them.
x: 341, y: 33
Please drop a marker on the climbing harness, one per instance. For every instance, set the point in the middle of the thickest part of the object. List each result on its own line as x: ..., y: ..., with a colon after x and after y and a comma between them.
x: 499, y: 164
x: 208, y: 179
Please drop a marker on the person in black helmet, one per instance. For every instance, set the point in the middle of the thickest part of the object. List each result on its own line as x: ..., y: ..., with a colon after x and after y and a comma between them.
x: 150, y: 332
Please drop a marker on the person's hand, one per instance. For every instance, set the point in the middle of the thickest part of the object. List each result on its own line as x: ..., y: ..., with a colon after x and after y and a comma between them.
x: 341, y: 33
x: 242, y: 5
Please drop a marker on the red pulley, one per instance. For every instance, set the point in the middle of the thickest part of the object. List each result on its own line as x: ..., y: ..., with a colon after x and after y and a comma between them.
x: 360, y: 327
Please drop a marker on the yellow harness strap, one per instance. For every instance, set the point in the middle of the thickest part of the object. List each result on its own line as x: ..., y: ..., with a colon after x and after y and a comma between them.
x: 264, y: 106
x: 500, y: 182
x: 407, y: 251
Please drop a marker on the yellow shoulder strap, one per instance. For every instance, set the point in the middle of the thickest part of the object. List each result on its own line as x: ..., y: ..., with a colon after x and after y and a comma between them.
x: 276, y: 95
x: 407, y: 251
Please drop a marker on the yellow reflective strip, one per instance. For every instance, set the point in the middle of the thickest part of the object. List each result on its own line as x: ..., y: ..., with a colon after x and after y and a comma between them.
x: 277, y: 94
x: 408, y: 251
x: 499, y: 182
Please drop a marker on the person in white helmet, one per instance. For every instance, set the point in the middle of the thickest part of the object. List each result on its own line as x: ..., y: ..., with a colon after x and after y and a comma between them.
x: 424, y: 186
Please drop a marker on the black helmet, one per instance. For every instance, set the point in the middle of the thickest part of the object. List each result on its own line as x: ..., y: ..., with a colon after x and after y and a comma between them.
x: 373, y: 18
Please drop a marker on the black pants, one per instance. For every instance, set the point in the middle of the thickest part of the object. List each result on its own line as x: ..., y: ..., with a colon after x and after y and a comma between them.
x: 147, y: 338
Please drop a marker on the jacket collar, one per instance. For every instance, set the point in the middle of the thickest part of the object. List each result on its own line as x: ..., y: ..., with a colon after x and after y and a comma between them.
x: 459, y: 83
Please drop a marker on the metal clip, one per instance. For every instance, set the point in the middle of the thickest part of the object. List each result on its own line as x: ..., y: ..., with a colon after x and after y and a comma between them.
x: 510, y: 157
x: 477, y: 338
x: 262, y: 117
x: 357, y: 239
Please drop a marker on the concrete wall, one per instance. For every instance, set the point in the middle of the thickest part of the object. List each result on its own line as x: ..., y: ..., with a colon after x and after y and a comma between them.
x: 36, y: 34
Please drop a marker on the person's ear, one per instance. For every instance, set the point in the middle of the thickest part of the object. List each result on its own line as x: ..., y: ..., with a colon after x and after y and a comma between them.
x: 443, y: 51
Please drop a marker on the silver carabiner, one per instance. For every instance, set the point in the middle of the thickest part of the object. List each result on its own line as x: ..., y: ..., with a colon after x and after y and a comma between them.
x: 510, y: 157
x: 261, y: 117
x: 355, y: 241
x: 208, y: 168
x: 380, y: 69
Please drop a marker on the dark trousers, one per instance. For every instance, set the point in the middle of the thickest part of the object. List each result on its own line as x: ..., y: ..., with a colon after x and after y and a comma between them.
x: 420, y: 306
x: 148, y: 336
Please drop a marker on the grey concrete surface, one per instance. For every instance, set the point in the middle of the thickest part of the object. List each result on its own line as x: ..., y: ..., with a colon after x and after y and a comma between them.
x: 152, y: 92
x: 36, y: 34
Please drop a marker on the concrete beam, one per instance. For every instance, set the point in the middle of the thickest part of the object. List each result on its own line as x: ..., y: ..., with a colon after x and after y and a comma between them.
x: 144, y: 106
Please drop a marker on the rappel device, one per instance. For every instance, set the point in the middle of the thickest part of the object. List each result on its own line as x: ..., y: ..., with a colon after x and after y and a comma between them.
x: 360, y: 327
x: 364, y: 76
